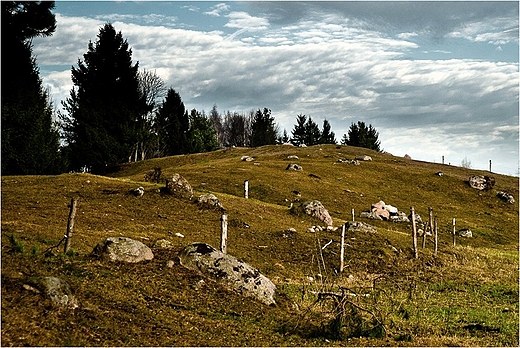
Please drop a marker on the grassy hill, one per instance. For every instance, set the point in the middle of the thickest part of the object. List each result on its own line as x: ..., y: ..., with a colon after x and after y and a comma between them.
x: 465, y: 295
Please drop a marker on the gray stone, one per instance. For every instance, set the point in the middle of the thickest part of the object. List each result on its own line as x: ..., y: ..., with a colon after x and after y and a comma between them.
x: 370, y: 215
x: 465, y: 233
x: 294, y: 166
x: 209, y: 201
x: 179, y: 187
x: 481, y: 182
x: 294, y: 157
x: 247, y: 159
x: 228, y: 270
x: 57, y: 289
x: 358, y: 226
x: 163, y: 243
x: 138, y: 192
x: 313, y: 208
x: 380, y: 210
x: 122, y: 249
x: 364, y: 158
x: 506, y: 197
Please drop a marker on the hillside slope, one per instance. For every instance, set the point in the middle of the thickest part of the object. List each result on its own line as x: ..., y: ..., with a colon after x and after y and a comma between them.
x: 464, y: 295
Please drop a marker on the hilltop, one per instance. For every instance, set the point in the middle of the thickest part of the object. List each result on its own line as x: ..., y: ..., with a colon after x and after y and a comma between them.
x: 464, y: 295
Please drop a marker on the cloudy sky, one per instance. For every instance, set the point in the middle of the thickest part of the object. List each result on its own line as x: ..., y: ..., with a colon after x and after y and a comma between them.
x: 434, y: 78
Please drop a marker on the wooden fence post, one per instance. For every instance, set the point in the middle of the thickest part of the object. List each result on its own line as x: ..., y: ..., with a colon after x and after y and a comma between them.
x: 223, y: 235
x: 246, y: 189
x: 414, y: 233
x: 435, y: 236
x: 490, y: 166
x: 342, y: 249
x: 454, y: 232
x: 70, y: 224
x: 353, y: 215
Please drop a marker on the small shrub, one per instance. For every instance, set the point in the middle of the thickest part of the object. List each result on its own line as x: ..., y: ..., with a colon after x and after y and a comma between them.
x: 16, y: 245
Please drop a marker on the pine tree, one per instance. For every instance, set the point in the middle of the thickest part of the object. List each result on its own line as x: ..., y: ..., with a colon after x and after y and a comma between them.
x: 202, y: 136
x: 173, y: 125
x: 327, y: 136
x: 30, y: 140
x: 312, y: 132
x: 263, y: 129
x: 104, y: 106
x: 298, y: 133
x: 362, y: 136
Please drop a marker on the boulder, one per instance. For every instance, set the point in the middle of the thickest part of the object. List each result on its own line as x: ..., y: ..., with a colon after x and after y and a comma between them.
x: 209, y: 201
x: 122, y: 249
x: 228, y: 270
x: 247, y: 159
x: 294, y: 166
x: 57, y: 289
x: 179, y: 187
x: 313, y: 208
x: 370, y: 215
x: 481, y: 182
x: 506, y: 197
x: 465, y: 233
x: 380, y: 210
x: 138, y: 192
x: 358, y: 226
x: 363, y: 158
x: 399, y: 217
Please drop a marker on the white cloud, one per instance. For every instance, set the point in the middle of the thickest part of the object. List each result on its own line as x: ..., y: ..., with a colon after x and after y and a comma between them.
x: 426, y: 108
x: 217, y: 10
x: 407, y: 36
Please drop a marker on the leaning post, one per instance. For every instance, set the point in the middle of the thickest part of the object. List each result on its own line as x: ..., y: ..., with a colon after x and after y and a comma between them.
x: 342, y: 250
x: 70, y: 224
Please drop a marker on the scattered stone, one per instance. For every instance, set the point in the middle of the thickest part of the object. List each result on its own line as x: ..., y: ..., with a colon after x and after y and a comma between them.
x: 138, y: 192
x: 293, y: 157
x: 439, y: 173
x: 57, y: 289
x: 346, y: 160
x: 209, y: 201
x: 180, y: 235
x: 481, y: 182
x: 170, y: 263
x: 313, y: 208
x: 358, y: 226
x: 179, y: 187
x: 311, y: 230
x: 228, y: 270
x: 247, y: 159
x: 294, y: 166
x: 408, y: 157
x: 363, y: 158
x: 465, y: 233
x: 370, y: 215
x: 122, y: 249
x: 302, y: 145
x: 506, y: 197
x: 163, y: 243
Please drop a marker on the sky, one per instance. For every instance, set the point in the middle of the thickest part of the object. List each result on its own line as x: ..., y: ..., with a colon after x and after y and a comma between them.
x: 434, y: 78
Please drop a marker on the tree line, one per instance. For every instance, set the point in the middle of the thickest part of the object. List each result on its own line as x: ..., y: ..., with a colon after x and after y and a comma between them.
x: 117, y: 113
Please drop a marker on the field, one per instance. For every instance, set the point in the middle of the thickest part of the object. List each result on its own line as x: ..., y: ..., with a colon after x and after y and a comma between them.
x: 465, y: 295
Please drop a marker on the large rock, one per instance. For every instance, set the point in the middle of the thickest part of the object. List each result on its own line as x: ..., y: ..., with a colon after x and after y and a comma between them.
x: 179, y: 187
x: 57, y: 289
x: 380, y: 210
x: 228, y: 270
x: 313, y: 208
x: 358, y: 226
x: 363, y: 158
x: 209, y: 201
x: 294, y: 166
x: 122, y: 249
x: 481, y: 182
x: 506, y: 197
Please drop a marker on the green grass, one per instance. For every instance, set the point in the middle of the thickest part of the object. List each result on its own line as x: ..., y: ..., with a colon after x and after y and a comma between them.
x: 465, y: 295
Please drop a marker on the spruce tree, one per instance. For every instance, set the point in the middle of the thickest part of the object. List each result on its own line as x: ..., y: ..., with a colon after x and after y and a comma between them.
x: 30, y: 140
x: 263, y: 129
x: 173, y: 125
x: 202, y: 136
x: 312, y: 132
x: 362, y: 136
x: 298, y: 133
x: 105, y: 104
x: 327, y: 136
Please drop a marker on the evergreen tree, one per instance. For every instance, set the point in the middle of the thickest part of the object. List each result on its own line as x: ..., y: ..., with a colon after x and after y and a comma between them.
x: 216, y: 121
x: 263, y: 129
x: 173, y: 125
x: 298, y: 133
x: 30, y: 140
x: 285, y: 137
x: 104, y: 106
x: 202, y: 135
x: 327, y: 136
x: 344, y: 140
x: 312, y: 132
x: 362, y: 136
